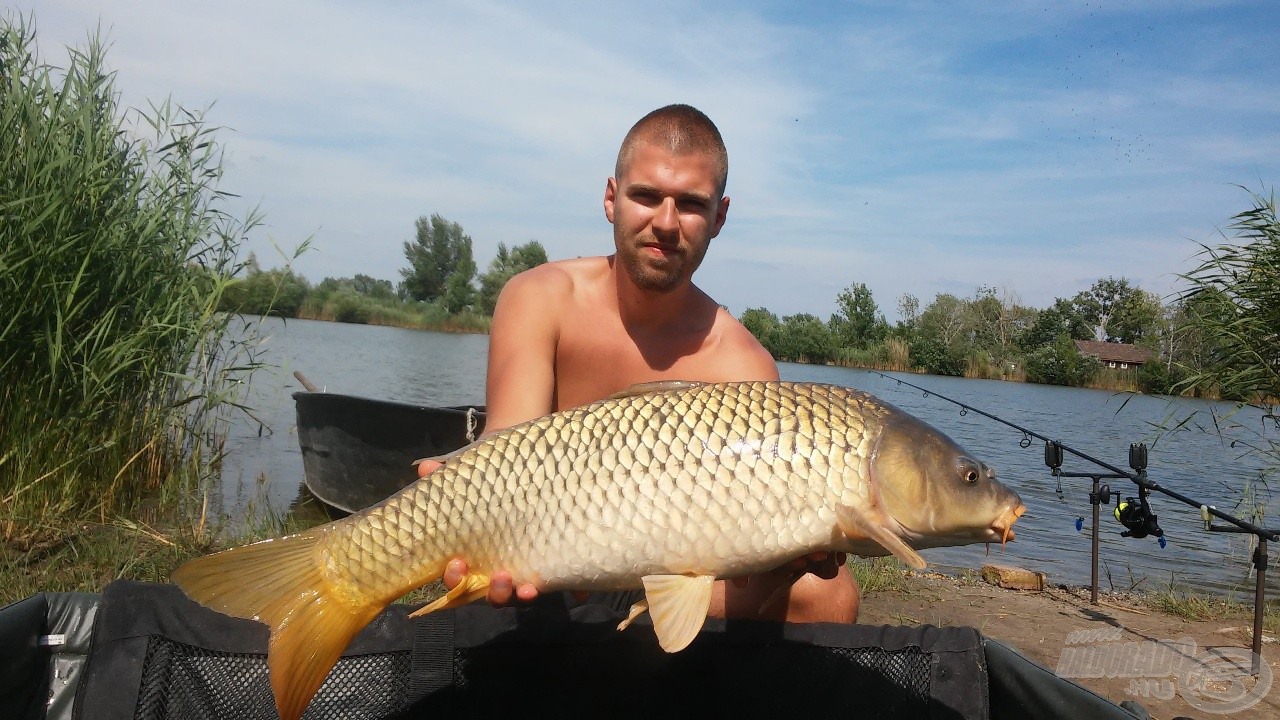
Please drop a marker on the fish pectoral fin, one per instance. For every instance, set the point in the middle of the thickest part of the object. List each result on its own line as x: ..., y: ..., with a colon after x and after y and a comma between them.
x: 855, y: 524
x: 638, y: 608
x: 678, y: 605
x: 472, y: 588
x: 654, y: 387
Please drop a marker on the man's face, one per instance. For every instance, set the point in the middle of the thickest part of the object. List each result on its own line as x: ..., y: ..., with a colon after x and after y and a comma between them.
x: 665, y: 209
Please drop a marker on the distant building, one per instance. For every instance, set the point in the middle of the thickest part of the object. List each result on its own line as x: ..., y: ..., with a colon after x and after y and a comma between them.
x: 1114, y: 355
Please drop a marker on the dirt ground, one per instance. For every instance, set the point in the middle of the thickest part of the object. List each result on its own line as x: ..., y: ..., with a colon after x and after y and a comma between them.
x: 1046, y: 626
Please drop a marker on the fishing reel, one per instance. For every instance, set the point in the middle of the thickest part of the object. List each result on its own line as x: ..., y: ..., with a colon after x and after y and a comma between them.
x: 1135, y: 514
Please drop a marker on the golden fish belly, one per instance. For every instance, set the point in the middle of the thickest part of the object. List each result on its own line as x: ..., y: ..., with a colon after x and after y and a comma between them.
x: 709, y: 481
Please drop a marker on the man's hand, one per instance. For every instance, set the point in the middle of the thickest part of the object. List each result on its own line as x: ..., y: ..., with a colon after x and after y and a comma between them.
x: 823, y: 564
x: 502, y: 590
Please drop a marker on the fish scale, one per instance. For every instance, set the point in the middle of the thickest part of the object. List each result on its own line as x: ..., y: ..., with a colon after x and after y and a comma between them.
x: 615, y: 494
x: 665, y: 487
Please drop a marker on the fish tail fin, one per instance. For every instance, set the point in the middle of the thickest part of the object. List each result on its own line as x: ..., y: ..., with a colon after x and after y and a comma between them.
x: 281, y: 583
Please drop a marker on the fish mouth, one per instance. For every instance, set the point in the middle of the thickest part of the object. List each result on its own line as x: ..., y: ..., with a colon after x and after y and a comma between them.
x: 1003, y: 525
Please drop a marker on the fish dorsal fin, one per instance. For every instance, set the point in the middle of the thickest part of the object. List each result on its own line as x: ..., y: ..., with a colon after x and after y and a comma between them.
x: 855, y: 524
x: 654, y: 387
x: 678, y: 605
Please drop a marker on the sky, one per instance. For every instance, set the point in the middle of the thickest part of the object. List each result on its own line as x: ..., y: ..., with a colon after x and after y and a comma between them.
x: 918, y: 147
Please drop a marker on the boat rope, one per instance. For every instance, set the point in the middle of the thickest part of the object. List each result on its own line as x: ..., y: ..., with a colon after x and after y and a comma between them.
x: 471, y: 424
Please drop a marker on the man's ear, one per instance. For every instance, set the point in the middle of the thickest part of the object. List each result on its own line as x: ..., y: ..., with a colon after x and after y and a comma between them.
x: 722, y: 213
x: 610, y: 195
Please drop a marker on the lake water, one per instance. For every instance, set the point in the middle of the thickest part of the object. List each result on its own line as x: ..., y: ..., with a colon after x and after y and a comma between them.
x: 264, y: 465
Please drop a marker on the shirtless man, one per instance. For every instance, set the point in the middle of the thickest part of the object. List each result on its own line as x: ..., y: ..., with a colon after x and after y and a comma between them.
x: 572, y: 332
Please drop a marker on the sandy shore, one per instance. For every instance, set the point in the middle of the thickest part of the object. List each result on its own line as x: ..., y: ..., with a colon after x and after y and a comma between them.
x: 1047, y: 626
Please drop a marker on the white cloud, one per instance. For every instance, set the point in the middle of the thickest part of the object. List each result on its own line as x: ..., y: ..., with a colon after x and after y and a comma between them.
x: 915, y: 147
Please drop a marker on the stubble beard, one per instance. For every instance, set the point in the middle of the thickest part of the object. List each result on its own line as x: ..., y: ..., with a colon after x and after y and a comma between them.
x: 656, y: 278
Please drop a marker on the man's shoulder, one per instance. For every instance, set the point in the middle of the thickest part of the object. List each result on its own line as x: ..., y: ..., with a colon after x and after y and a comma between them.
x: 747, y: 356
x: 559, y: 276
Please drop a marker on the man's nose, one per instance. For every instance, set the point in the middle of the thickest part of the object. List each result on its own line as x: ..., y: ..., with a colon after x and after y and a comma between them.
x: 666, y: 219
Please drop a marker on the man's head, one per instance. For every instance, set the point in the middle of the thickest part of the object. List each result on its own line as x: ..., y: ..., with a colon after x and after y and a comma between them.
x: 666, y: 201
x: 681, y: 129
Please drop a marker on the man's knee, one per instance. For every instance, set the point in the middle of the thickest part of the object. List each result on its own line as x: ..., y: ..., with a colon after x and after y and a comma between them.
x: 816, y: 600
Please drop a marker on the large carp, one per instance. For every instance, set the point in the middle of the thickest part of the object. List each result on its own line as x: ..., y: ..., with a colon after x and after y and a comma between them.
x: 665, y: 487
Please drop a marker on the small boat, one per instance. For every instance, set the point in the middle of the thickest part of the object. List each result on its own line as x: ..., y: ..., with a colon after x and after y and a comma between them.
x: 359, y: 451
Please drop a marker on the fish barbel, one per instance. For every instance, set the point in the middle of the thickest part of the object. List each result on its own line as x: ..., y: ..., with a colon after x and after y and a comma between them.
x: 665, y: 487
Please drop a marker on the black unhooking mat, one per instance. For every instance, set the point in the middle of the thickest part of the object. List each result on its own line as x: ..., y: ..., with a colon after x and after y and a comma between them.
x: 156, y: 654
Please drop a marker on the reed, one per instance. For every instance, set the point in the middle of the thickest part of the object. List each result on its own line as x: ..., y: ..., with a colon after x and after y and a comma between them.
x: 114, y: 250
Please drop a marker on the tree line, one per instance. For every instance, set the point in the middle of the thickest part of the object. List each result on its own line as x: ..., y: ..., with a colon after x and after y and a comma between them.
x: 993, y: 335
x: 990, y: 334
x: 440, y: 285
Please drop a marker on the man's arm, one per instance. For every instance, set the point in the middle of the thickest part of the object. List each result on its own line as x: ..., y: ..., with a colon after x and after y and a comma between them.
x: 522, y: 347
x: 521, y: 381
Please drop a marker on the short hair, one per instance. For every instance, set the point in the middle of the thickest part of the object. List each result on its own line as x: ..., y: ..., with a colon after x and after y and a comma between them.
x: 682, y: 129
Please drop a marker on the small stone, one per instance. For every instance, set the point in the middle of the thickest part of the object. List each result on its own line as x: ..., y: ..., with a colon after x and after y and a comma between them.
x: 1014, y: 578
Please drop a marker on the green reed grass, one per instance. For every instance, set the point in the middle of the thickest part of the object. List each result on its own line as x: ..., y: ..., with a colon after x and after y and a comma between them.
x: 114, y: 250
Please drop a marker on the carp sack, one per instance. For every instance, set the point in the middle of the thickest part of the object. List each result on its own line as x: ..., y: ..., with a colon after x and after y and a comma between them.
x: 665, y: 487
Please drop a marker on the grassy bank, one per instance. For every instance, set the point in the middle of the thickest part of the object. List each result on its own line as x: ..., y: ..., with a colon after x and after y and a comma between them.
x: 362, y: 310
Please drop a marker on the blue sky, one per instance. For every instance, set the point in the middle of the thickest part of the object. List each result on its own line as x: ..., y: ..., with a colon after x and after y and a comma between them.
x: 918, y: 147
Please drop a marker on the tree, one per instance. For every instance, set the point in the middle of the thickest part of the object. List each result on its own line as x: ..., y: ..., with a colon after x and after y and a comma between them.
x: 1061, y: 364
x: 373, y: 287
x: 909, y: 311
x: 761, y: 323
x: 803, y: 338
x: 504, y: 266
x: 276, y: 292
x: 1063, y: 317
x: 437, y: 251
x: 945, y: 320
x: 1138, y: 317
x: 1118, y: 311
x: 459, y: 295
x: 934, y: 357
x: 857, y: 322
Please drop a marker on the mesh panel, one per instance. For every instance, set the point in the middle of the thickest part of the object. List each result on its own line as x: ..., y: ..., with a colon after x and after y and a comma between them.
x: 715, y: 680
x: 184, y: 681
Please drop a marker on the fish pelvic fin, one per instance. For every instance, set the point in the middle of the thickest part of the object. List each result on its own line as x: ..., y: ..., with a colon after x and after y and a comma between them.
x: 855, y: 524
x: 638, y: 608
x: 473, y: 587
x: 281, y: 583
x: 678, y: 605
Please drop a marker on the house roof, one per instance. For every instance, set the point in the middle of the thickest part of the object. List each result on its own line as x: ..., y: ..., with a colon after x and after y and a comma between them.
x: 1114, y: 352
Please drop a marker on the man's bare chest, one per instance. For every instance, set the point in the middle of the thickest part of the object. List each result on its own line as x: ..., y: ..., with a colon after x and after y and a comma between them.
x: 594, y: 361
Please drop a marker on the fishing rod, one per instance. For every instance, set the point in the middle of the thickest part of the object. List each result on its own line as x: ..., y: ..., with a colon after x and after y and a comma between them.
x: 1134, y: 514
x: 1138, y: 475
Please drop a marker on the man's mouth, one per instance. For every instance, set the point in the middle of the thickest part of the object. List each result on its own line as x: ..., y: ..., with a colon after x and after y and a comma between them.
x: 661, y: 250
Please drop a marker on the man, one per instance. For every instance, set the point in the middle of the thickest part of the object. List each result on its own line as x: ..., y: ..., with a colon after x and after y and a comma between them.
x: 576, y: 331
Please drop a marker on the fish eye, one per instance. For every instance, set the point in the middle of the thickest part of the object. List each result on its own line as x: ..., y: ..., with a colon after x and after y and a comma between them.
x: 971, y: 476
